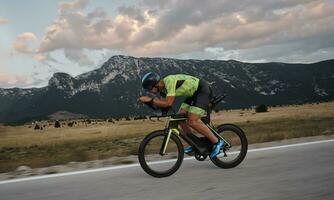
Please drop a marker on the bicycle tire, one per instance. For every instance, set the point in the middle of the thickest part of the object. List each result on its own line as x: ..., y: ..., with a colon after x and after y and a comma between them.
x: 244, y: 146
x: 144, y: 163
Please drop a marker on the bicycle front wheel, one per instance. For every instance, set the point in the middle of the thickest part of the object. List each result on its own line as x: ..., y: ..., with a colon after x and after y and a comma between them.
x: 160, y: 165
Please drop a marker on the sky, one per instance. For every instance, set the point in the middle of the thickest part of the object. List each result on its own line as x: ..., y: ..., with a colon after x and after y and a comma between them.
x: 41, y: 37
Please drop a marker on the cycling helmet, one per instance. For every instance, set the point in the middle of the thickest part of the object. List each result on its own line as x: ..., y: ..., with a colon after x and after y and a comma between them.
x: 149, y: 80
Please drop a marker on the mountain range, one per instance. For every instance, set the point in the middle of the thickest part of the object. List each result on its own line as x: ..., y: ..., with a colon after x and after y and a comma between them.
x: 112, y: 90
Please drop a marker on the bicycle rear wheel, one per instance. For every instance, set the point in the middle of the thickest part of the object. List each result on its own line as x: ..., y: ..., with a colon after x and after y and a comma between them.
x: 232, y: 155
x: 160, y: 165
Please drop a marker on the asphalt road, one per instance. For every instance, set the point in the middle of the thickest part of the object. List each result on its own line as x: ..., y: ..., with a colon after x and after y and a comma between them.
x: 294, y: 172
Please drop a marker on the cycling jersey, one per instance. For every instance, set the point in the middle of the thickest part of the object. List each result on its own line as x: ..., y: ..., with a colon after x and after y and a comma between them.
x: 197, y: 92
x: 180, y: 85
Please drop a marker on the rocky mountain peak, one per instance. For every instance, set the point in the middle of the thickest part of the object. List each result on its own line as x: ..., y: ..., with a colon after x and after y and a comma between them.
x: 61, y: 80
x: 118, y: 62
x: 112, y: 89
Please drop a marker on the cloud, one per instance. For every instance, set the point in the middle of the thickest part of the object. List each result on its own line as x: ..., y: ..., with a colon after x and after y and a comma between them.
x: 132, y: 12
x: 3, y: 21
x: 24, y: 43
x: 12, y: 80
x: 171, y: 28
x: 72, y: 6
x: 78, y: 56
x: 97, y: 13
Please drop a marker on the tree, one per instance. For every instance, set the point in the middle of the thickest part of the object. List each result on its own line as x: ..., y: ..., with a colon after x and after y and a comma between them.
x: 261, y: 108
x: 70, y: 124
x: 57, y: 124
x: 37, y: 127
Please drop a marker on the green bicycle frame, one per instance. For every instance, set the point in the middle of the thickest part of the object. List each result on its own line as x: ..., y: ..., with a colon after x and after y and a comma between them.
x: 172, y: 127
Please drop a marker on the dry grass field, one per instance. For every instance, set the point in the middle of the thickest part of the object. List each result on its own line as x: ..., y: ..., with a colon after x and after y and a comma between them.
x: 23, y: 145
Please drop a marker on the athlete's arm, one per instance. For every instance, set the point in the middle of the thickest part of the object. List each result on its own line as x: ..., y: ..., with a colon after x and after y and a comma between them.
x: 163, y: 103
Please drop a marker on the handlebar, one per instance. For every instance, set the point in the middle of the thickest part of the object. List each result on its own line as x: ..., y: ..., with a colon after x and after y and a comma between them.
x: 164, y: 111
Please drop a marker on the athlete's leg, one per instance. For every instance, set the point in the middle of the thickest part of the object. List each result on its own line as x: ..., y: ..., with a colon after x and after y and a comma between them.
x: 184, y: 108
x: 185, y: 128
x: 195, y: 122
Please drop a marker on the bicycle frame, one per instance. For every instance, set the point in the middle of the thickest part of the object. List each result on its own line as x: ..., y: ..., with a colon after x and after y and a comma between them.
x: 172, y: 128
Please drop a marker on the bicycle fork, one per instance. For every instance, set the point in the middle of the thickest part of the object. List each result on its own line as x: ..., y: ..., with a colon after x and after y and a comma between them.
x: 168, y: 133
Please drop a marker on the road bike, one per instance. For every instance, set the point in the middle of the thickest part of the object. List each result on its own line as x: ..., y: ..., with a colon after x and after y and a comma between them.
x: 161, y: 152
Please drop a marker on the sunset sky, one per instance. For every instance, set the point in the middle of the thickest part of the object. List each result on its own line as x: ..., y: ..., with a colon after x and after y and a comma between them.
x: 41, y: 37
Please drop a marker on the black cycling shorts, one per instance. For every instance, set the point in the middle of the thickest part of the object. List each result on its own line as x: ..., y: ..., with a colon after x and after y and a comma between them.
x: 199, y: 102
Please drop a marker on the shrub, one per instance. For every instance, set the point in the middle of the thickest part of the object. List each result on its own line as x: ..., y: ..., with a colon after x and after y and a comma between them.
x: 57, y: 124
x: 70, y: 124
x: 37, y: 127
x: 261, y: 108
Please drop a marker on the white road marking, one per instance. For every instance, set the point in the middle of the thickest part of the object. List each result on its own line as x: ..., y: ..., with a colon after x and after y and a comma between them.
x: 156, y: 162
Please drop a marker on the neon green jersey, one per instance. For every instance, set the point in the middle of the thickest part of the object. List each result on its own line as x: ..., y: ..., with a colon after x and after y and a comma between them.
x: 188, y: 87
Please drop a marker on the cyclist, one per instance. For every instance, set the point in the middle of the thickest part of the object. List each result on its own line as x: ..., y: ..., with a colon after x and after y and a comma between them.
x: 197, y: 92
